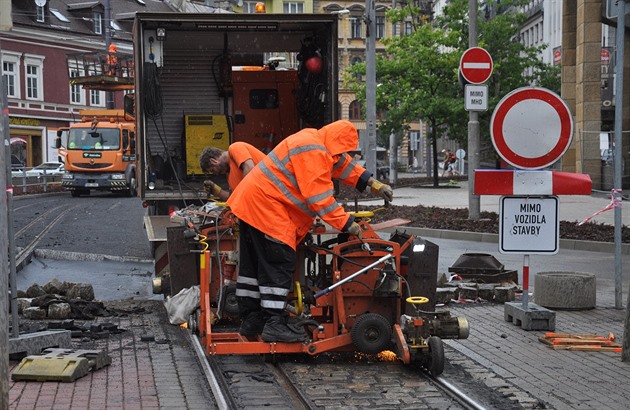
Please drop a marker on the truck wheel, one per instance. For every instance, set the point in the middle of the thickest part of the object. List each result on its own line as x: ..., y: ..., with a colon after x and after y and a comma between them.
x: 132, y: 188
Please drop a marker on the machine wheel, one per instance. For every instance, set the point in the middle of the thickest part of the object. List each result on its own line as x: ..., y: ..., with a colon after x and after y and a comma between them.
x: 435, y: 358
x: 371, y: 333
x: 230, y: 304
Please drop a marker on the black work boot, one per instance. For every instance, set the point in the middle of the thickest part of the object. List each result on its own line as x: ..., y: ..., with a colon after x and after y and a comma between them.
x: 277, y: 330
x: 252, y: 325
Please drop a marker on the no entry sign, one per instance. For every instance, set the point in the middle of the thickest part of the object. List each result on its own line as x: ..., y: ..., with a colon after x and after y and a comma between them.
x: 531, y: 128
x: 476, y: 65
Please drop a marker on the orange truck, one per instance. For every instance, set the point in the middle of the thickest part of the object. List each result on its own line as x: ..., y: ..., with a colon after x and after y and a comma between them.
x: 99, y: 153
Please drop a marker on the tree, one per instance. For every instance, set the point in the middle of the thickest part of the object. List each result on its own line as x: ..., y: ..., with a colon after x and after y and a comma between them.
x: 418, y: 74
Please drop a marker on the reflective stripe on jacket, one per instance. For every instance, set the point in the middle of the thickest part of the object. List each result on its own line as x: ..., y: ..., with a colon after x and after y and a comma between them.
x: 293, y: 184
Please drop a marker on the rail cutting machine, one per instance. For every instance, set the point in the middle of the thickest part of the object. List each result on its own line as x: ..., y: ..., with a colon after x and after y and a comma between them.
x: 350, y: 294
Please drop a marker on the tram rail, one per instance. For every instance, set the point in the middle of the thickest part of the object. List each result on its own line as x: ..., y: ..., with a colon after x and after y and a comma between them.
x: 229, y: 396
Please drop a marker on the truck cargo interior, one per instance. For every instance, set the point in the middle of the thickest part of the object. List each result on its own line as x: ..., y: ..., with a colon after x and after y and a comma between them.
x: 208, y: 80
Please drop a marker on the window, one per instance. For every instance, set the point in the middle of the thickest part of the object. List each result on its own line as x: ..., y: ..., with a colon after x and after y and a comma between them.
x: 33, y: 68
x: 380, y: 27
x: 353, y: 61
x: 249, y: 7
x: 395, y: 30
x: 97, y: 98
x: 356, y: 26
x: 98, y: 23
x: 77, y: 96
x: 100, y: 139
x: 40, y: 14
x: 59, y: 15
x: 354, y: 111
x: 11, y: 74
x: 291, y: 7
x: 408, y: 27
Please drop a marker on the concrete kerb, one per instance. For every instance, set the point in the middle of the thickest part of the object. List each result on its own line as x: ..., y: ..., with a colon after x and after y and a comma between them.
x: 571, y: 244
x: 86, y: 257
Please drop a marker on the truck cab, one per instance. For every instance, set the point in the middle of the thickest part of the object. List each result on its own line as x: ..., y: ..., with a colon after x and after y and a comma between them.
x: 99, y: 153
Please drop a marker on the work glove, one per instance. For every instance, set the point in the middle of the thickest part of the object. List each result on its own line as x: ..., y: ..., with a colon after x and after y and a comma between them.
x: 211, y: 187
x: 355, y: 229
x: 383, y: 190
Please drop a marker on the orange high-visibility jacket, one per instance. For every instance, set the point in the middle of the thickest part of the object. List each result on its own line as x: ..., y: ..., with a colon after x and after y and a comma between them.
x: 293, y: 184
x: 239, y: 152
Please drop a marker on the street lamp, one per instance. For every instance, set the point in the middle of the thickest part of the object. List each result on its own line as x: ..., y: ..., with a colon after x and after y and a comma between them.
x: 370, y: 85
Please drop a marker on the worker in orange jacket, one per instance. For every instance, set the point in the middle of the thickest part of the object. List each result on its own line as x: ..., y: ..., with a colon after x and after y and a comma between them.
x: 236, y: 162
x: 276, y: 204
x: 112, y: 59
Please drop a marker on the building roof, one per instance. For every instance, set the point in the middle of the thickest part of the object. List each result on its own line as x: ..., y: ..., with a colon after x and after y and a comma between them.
x: 78, y: 16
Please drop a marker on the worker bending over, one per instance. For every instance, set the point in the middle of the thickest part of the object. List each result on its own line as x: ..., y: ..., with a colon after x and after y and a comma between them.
x: 236, y: 162
x: 277, y: 204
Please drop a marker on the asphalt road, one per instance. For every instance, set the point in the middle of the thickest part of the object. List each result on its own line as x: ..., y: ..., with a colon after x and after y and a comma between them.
x: 98, y: 239
x: 102, y: 223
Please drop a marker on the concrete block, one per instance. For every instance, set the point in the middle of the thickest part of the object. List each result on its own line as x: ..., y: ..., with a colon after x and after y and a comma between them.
x: 445, y: 295
x: 23, y: 303
x: 59, y: 311
x: 486, y: 291
x: 504, y: 294
x: 34, y: 343
x: 34, y: 313
x: 533, y: 318
x: 468, y: 292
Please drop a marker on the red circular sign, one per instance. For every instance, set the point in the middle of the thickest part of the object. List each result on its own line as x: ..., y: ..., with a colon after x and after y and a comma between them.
x: 476, y: 65
x: 531, y: 128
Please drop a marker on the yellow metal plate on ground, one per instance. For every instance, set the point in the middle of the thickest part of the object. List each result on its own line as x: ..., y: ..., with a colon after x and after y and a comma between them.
x: 46, y: 368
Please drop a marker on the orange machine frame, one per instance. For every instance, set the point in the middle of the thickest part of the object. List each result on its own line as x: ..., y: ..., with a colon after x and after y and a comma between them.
x: 336, y: 310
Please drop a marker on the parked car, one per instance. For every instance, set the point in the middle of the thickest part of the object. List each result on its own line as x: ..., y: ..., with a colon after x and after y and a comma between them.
x: 382, y: 169
x: 50, y: 168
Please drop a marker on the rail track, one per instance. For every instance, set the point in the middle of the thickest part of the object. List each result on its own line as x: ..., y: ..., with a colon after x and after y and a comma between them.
x: 28, y: 234
x: 330, y: 381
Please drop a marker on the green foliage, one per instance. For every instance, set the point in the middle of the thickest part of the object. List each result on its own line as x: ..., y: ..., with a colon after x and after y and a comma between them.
x: 417, y: 77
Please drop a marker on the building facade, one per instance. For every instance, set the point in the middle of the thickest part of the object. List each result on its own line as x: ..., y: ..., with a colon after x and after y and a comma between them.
x: 36, y: 77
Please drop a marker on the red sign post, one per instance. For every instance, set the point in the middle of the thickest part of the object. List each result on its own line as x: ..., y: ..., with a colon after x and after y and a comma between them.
x: 476, y: 65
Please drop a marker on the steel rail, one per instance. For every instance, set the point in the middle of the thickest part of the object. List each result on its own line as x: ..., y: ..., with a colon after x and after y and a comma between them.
x: 455, y: 393
x: 27, y: 251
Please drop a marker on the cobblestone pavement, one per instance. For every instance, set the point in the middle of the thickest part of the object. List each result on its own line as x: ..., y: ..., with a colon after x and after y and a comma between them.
x: 153, y: 367
x: 560, y: 379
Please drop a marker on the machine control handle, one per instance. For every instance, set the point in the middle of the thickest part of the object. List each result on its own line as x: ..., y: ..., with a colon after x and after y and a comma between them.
x: 357, y: 273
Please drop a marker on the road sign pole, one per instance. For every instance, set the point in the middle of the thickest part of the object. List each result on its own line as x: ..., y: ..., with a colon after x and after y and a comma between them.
x: 619, y: 67
x: 474, y: 201
x: 525, y: 297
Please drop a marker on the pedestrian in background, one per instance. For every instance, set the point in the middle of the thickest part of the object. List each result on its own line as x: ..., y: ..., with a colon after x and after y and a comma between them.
x: 450, y: 162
